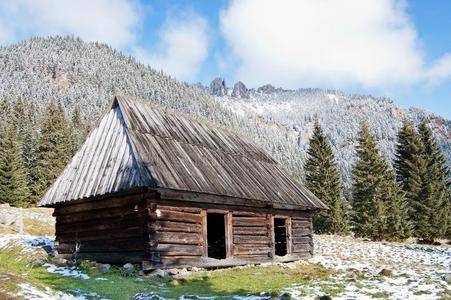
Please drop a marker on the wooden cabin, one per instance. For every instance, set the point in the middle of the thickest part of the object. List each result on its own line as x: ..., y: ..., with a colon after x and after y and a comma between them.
x: 154, y: 186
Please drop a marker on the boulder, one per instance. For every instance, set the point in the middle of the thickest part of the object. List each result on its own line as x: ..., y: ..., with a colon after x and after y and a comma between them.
x: 129, y: 267
x: 103, y: 268
x: 59, y: 261
x: 323, y: 297
x: 386, y: 272
x: 285, y: 296
x: 447, y: 278
x: 159, y: 273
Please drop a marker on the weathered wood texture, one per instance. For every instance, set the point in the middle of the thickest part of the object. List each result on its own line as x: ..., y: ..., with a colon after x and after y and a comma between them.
x: 251, y: 234
x: 137, y: 144
x: 302, y: 236
x: 112, y: 230
x: 177, y: 232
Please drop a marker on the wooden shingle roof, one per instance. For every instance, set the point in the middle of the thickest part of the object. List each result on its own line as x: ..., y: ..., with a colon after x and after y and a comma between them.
x: 138, y: 144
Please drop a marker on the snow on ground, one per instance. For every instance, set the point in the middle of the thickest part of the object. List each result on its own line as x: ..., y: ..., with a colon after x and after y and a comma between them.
x: 411, y: 271
x: 31, y: 293
x: 65, y: 271
x: 364, y: 270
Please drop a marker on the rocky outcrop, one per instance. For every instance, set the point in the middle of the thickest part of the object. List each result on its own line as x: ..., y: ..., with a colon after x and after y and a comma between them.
x: 218, y: 87
x: 266, y: 89
x: 240, y: 91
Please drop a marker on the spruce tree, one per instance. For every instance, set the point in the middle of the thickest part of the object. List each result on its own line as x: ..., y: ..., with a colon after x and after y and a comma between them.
x: 432, y: 206
x: 379, y: 209
x: 409, y: 164
x: 322, y: 178
x: 54, y: 148
x: 13, y: 179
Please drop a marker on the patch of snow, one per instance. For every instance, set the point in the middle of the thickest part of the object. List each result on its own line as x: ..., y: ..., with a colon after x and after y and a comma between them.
x: 65, y: 271
x: 101, y: 279
x: 29, y: 292
x: 38, y: 241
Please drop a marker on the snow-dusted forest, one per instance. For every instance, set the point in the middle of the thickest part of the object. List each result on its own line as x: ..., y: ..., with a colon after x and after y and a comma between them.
x: 87, y: 75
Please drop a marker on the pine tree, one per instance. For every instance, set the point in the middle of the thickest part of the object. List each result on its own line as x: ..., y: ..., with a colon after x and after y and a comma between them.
x: 432, y: 206
x: 398, y: 226
x: 323, y: 179
x: 379, y: 209
x: 54, y: 148
x: 409, y: 164
x: 13, y: 180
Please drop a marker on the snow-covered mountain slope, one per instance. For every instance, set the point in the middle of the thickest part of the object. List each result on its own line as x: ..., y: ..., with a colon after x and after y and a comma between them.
x: 76, y: 73
x: 340, y: 114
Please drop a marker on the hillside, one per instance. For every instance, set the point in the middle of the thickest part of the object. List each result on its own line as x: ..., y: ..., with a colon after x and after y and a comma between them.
x: 87, y: 75
x: 293, y: 112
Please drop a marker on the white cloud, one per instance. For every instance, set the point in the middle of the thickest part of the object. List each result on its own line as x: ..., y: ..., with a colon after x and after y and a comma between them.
x: 110, y: 21
x: 440, y: 70
x: 181, y: 49
x: 292, y: 43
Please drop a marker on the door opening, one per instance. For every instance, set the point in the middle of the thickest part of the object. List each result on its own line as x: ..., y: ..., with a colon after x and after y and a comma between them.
x: 216, y: 235
x: 280, y: 236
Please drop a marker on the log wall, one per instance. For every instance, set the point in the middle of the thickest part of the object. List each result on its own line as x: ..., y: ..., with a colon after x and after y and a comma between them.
x: 110, y: 230
x: 302, y: 236
x: 139, y: 228
x: 177, y: 233
x: 252, y: 234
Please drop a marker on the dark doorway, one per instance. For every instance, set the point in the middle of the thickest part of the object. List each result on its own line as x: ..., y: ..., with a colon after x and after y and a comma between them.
x: 216, y: 236
x: 280, y: 236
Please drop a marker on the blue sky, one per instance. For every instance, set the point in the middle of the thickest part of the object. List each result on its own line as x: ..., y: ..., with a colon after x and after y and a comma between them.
x: 395, y: 48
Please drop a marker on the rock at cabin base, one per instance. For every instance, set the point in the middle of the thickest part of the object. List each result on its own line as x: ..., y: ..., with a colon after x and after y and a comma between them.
x: 158, y: 273
x: 103, y: 267
x: 129, y: 267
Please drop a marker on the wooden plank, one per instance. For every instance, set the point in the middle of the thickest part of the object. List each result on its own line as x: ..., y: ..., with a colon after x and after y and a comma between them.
x: 99, y: 205
x: 229, y: 234
x: 301, y: 224
x: 178, y: 216
x: 176, y: 250
x: 302, y: 247
x: 179, y: 238
x: 116, y: 212
x: 248, y: 214
x: 176, y: 226
x: 180, y: 209
x: 246, y: 239
x: 250, y: 230
x: 109, y: 234
x: 111, y: 257
x: 104, y: 246
x: 104, y: 224
x: 289, y: 235
x: 272, y: 241
x: 246, y: 250
x: 249, y: 221
x: 204, y: 233
x: 301, y: 240
x: 300, y: 232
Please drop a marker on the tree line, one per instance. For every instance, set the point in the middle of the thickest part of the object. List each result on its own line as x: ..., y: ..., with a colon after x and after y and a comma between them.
x: 35, y: 145
x: 409, y: 198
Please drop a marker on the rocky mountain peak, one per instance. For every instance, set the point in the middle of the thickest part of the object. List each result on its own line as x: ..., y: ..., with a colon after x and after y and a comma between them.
x: 218, y: 87
x: 266, y: 89
x: 240, y: 91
